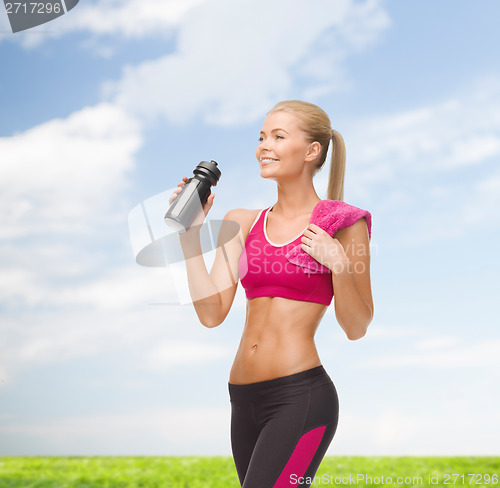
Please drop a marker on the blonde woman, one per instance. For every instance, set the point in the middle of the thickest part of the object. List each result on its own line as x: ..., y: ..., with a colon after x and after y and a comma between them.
x: 284, y: 405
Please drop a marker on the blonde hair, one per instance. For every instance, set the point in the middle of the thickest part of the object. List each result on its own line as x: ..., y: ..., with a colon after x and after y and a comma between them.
x: 316, y: 124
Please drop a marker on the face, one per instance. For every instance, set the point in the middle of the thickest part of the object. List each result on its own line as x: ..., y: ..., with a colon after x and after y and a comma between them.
x: 283, y: 148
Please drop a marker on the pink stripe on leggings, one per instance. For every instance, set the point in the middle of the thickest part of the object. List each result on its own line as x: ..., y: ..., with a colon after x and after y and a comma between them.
x: 301, y: 457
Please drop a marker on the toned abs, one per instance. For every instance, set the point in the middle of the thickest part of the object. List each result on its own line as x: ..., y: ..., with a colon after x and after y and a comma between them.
x: 277, y: 340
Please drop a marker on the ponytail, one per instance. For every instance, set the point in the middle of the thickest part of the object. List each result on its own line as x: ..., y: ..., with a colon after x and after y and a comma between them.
x: 335, y: 189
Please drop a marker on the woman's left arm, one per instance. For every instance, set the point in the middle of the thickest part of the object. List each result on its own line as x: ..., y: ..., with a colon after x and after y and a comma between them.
x: 347, y: 255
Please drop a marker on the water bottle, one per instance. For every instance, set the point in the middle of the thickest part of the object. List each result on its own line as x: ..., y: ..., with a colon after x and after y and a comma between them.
x: 193, y: 196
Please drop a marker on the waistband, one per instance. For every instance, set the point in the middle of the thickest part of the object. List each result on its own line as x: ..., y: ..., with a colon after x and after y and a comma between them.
x: 279, y: 388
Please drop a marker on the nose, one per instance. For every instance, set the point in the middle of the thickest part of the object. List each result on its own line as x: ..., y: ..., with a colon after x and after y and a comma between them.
x: 264, y: 145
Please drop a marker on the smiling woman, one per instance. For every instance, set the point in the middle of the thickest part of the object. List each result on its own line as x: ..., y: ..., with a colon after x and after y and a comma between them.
x: 284, y: 405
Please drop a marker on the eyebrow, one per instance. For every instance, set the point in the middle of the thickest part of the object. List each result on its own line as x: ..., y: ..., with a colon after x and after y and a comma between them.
x: 274, y: 130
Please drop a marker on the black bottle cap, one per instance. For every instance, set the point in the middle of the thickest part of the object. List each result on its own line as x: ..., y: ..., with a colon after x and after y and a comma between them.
x: 210, y: 169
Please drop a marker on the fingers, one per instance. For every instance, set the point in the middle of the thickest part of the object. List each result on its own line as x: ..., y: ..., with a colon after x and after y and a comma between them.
x: 177, y: 190
x: 208, y: 205
x: 172, y: 197
x: 200, y: 217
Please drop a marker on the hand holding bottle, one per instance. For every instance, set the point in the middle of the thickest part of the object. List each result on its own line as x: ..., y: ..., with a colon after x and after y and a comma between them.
x: 195, y: 197
x: 199, y: 219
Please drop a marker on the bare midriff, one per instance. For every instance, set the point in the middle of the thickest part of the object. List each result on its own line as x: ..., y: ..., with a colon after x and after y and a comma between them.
x: 277, y: 340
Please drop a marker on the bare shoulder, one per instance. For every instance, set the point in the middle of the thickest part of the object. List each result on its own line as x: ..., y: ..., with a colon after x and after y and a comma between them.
x: 355, y: 236
x: 359, y: 229
x: 243, y: 217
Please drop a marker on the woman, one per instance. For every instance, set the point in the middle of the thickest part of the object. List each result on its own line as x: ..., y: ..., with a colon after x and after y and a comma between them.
x: 284, y: 406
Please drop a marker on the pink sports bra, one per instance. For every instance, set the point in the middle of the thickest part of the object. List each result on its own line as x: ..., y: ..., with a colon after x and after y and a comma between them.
x: 265, y: 271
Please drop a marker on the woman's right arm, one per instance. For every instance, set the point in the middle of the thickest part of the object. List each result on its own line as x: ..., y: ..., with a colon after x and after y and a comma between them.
x: 213, y: 293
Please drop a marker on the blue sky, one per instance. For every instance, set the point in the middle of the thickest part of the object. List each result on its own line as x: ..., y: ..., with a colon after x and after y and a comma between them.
x: 112, y: 103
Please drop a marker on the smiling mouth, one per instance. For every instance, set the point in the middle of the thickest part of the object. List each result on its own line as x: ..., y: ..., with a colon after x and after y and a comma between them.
x: 265, y: 161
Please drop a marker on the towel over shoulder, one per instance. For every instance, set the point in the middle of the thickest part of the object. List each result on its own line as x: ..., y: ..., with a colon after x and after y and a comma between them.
x: 331, y: 216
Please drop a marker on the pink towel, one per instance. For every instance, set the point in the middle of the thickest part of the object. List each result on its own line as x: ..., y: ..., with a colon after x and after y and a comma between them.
x: 331, y: 216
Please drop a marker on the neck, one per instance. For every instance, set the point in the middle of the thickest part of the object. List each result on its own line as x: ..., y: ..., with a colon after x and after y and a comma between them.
x: 295, y: 198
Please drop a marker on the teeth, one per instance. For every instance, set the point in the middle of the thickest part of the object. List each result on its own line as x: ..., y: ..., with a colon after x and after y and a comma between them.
x: 267, y: 160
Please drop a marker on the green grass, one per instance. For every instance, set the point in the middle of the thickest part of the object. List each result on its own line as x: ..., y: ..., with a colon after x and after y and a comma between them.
x: 219, y: 472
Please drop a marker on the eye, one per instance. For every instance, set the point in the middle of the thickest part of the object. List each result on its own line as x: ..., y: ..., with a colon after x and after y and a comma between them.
x: 279, y: 137
x: 260, y: 139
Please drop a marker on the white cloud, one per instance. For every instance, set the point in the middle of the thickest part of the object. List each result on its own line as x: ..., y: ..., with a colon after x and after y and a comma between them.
x: 63, y: 208
x: 441, y: 353
x: 394, y: 432
x: 131, y: 309
x: 234, y: 59
x: 109, y: 289
x: 385, y: 331
x: 66, y: 175
x: 206, y: 431
x: 130, y: 18
x: 174, y: 353
x: 61, y: 334
x: 168, y: 431
x: 459, y: 131
x: 133, y: 19
x: 438, y: 342
x: 62, y: 187
x: 429, y: 165
x: 485, y: 197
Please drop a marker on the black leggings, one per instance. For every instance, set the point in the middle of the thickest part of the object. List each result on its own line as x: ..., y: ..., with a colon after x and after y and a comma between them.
x: 281, y: 428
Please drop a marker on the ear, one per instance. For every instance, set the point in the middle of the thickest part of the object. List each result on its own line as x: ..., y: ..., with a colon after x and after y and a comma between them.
x: 313, y: 151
